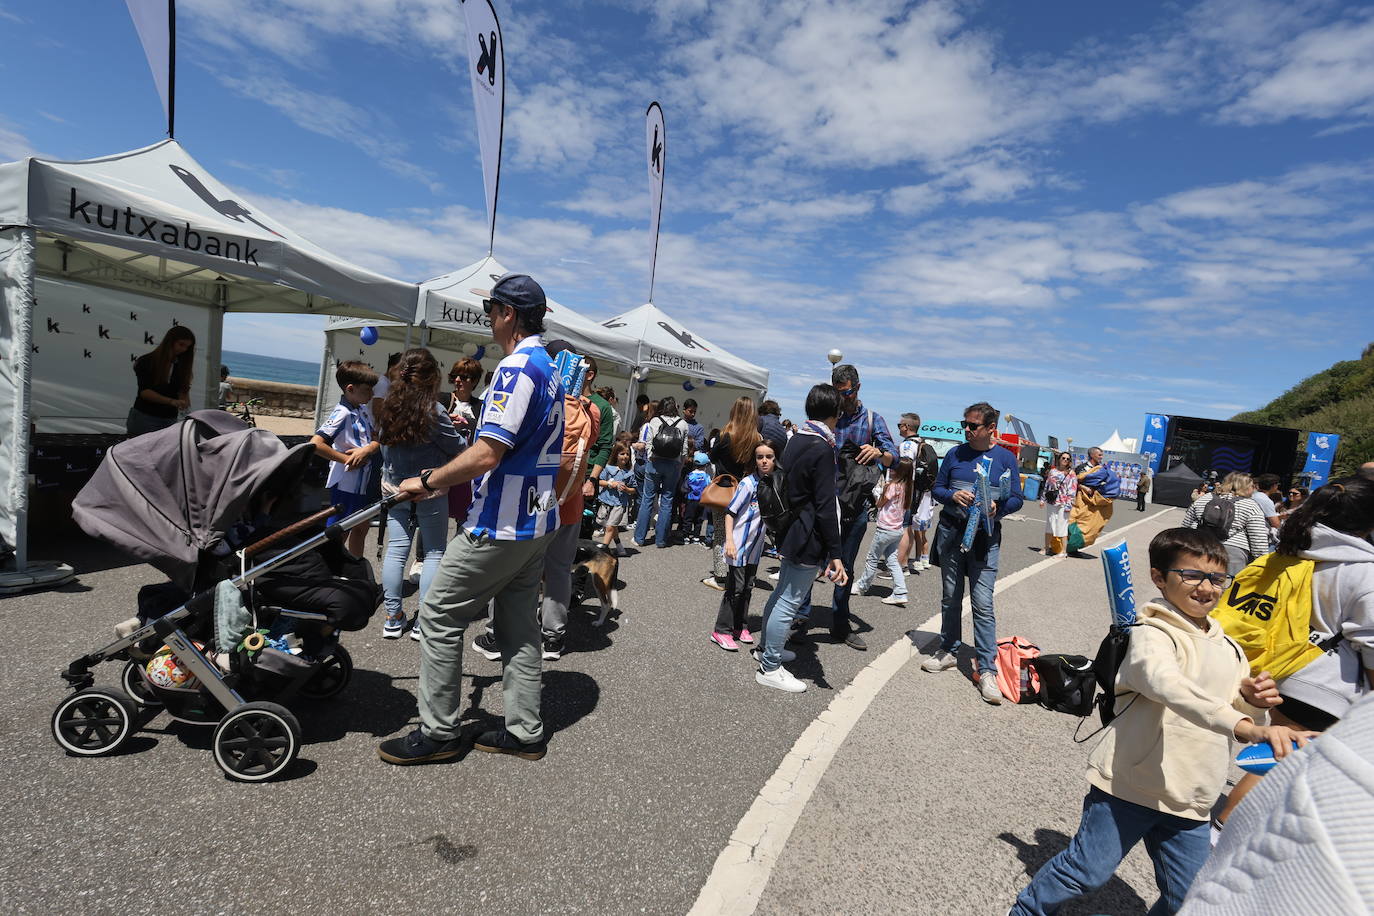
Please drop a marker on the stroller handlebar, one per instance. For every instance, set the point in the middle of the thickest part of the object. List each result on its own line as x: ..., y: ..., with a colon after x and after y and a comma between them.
x: 290, y: 531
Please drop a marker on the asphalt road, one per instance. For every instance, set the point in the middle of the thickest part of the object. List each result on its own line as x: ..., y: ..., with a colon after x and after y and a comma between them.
x: 660, y: 742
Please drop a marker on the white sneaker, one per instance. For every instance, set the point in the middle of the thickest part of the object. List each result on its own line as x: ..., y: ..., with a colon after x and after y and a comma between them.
x: 415, y: 569
x: 884, y: 575
x: 940, y: 661
x: 787, y: 655
x: 894, y: 599
x: 987, y: 686
x: 774, y: 574
x: 862, y: 588
x: 781, y: 679
x: 925, y: 563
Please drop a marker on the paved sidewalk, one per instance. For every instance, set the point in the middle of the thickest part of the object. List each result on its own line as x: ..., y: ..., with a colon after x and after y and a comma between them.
x: 940, y: 803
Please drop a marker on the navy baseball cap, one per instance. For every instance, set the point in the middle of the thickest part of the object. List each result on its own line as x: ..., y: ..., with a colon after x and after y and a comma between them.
x: 516, y: 290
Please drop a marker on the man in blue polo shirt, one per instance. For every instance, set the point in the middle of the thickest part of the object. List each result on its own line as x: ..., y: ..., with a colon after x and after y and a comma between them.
x: 955, y: 490
x: 499, y: 553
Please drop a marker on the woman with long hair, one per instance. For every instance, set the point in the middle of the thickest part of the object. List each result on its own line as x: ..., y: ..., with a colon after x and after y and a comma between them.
x: 1057, y: 493
x: 1247, y: 537
x: 415, y: 434
x: 733, y: 454
x: 164, y: 382
x: 1332, y: 528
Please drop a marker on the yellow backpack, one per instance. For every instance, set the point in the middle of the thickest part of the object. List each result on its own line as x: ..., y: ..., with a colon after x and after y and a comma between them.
x: 1268, y: 611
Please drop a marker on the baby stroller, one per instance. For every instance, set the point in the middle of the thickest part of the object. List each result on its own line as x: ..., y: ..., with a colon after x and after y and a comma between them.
x: 252, y: 614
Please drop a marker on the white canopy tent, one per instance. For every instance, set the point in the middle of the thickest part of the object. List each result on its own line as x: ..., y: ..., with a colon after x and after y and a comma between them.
x: 99, y: 257
x: 451, y: 324
x: 1116, y: 444
x: 674, y: 360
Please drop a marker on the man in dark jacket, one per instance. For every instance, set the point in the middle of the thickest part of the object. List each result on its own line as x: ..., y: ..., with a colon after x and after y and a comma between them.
x: 770, y: 425
x: 812, y: 540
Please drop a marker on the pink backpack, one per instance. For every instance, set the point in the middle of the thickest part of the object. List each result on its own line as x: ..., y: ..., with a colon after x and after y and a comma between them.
x: 1016, y: 678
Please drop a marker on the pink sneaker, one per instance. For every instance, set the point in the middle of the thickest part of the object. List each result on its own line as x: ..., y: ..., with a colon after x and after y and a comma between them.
x: 725, y: 641
x: 745, y: 636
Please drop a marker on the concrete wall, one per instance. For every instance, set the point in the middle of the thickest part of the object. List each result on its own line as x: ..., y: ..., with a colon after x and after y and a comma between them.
x: 280, y: 399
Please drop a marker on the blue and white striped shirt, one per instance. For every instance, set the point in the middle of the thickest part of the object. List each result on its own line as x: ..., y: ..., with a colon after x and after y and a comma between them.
x: 515, y: 501
x: 748, y: 528
x: 348, y: 427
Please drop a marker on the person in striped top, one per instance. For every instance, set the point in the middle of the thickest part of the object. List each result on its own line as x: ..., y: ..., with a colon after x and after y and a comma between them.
x: 743, y: 550
x: 1247, y: 536
x: 499, y: 553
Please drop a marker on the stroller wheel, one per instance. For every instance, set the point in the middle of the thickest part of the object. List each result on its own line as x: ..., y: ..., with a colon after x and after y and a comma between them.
x: 93, y: 723
x: 330, y: 678
x: 256, y: 741
x: 136, y: 687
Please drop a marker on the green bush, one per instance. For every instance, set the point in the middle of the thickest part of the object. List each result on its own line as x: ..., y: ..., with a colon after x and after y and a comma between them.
x: 1339, y: 400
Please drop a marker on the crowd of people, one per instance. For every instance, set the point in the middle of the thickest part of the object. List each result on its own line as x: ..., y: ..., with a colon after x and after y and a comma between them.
x: 525, y: 469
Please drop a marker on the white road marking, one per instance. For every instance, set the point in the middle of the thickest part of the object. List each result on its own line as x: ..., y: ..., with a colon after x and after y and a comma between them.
x: 743, y: 867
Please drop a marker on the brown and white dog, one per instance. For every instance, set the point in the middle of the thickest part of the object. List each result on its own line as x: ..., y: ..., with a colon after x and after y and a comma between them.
x: 599, y: 567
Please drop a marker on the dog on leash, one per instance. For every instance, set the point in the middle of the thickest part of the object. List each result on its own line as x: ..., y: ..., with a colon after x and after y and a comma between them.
x: 597, y: 568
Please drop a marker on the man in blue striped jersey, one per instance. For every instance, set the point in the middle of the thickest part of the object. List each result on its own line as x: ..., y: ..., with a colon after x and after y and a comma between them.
x: 499, y: 553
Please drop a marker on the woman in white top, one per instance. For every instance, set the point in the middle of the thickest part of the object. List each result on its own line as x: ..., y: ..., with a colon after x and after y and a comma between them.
x: 1057, y: 494
x: 1247, y: 536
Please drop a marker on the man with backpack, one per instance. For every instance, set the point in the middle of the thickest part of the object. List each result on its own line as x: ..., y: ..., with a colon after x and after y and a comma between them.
x: 863, y: 446
x: 925, y: 465
x: 978, y: 465
x: 663, y: 440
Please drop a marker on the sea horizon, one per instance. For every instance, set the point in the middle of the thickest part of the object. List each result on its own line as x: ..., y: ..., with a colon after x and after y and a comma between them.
x: 270, y: 368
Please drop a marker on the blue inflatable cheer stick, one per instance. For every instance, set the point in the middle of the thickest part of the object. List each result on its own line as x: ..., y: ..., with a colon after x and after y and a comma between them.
x: 1116, y: 564
x: 1258, y: 758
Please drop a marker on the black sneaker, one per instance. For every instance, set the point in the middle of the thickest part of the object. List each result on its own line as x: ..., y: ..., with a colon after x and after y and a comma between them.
x: 500, y: 741
x: 417, y: 747
x: 852, y: 640
x: 486, y: 644
x: 553, y: 648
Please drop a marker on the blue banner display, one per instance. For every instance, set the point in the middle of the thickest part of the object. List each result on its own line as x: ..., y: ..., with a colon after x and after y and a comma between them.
x: 942, y: 429
x: 1321, y: 451
x: 1116, y: 564
x: 1152, y: 440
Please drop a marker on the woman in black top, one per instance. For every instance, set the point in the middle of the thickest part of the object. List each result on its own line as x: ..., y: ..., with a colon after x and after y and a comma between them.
x: 164, y: 382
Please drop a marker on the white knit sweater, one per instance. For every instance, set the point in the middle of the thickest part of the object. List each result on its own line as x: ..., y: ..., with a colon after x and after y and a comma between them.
x: 1303, y: 840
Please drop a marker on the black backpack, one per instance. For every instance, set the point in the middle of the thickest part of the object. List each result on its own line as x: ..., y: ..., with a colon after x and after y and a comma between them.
x: 777, y: 514
x: 854, y: 489
x: 668, y: 440
x: 1074, y: 684
x: 925, y: 466
x: 1218, y: 515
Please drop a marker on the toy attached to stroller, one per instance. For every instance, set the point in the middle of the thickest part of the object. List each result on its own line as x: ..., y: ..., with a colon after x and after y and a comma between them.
x: 225, y: 642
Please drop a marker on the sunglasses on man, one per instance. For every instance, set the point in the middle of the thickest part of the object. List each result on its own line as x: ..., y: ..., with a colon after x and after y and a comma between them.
x: 487, y: 304
x: 972, y: 426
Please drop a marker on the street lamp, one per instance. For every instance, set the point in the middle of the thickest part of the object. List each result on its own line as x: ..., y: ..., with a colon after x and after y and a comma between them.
x: 834, y: 356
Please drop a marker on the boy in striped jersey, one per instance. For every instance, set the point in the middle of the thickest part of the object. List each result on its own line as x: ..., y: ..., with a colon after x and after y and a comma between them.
x: 499, y: 553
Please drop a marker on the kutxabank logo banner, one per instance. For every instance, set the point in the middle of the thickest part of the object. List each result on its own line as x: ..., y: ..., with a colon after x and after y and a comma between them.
x: 487, y: 70
x: 1321, y: 451
x: 1152, y: 439
x: 655, y: 144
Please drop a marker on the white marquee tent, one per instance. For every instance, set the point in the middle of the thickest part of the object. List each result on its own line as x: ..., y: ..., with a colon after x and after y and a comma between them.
x: 451, y: 324
x: 99, y: 257
x: 674, y: 360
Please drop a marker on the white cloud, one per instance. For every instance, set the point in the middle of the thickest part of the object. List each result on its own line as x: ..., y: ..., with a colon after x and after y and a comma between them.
x: 1327, y: 72
x: 554, y: 126
x: 13, y: 144
x: 333, y: 117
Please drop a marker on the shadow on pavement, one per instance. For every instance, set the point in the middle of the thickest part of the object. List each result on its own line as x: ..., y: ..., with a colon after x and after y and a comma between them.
x: 566, y: 697
x: 1116, y: 896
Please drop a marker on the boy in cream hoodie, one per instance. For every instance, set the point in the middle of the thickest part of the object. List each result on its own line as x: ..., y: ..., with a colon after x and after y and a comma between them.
x: 1183, y: 696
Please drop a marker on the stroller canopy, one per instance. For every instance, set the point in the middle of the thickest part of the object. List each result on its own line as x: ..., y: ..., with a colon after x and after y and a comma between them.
x: 167, y: 495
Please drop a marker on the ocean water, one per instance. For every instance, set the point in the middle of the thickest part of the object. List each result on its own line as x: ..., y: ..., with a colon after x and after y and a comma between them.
x: 271, y: 368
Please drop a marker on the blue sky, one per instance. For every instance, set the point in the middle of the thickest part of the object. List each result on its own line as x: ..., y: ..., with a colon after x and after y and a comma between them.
x: 1077, y: 211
